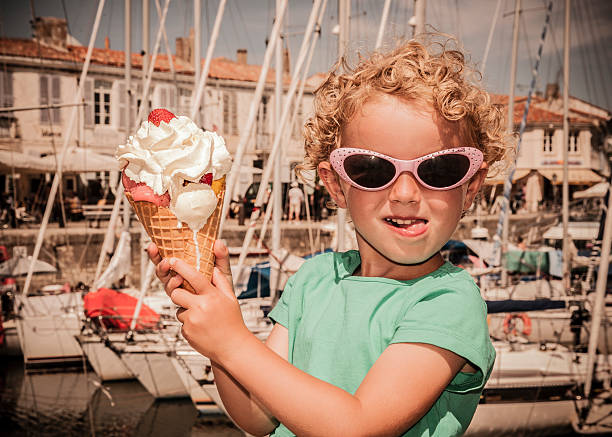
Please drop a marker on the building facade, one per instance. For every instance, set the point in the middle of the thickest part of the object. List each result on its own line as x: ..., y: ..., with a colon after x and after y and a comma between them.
x: 46, y: 69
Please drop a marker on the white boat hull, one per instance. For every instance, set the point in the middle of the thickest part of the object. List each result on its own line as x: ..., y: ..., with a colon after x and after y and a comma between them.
x: 106, y: 363
x: 47, y: 326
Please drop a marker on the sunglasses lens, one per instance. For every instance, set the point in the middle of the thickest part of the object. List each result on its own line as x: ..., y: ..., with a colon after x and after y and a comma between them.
x: 369, y: 171
x: 444, y: 170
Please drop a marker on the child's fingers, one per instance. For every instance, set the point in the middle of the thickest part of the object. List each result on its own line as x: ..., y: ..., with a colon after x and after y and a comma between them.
x: 174, y: 282
x: 163, y: 272
x: 222, y: 261
x: 223, y: 283
x: 196, y: 279
x: 182, y: 298
x: 153, y: 253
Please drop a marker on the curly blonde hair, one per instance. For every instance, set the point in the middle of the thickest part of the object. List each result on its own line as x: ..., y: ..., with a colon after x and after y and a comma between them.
x: 436, y: 73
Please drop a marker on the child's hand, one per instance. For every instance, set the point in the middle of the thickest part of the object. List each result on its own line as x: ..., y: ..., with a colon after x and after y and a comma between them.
x: 172, y: 280
x: 212, y: 321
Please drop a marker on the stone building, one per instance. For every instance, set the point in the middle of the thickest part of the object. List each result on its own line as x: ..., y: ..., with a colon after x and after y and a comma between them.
x: 541, y: 151
x: 45, y: 71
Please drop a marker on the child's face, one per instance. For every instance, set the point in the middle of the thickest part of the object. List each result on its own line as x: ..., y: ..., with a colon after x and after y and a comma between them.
x: 427, y: 218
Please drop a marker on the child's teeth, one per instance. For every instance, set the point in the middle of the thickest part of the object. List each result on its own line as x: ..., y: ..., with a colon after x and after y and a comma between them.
x: 402, y: 222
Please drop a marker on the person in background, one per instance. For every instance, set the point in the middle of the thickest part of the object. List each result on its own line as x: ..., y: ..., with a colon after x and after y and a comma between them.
x: 389, y: 339
x: 296, y: 197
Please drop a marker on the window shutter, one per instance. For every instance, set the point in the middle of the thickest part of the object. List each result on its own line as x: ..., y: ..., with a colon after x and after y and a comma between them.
x: 44, y: 98
x: 55, y: 98
x: 122, y: 105
x: 6, y: 89
x: 226, y: 114
x: 234, y: 114
x: 172, y: 99
x: 88, y: 100
x: 163, y: 97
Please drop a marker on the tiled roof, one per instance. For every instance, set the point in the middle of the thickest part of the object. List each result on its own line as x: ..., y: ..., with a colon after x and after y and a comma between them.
x: 537, y: 114
x: 220, y: 68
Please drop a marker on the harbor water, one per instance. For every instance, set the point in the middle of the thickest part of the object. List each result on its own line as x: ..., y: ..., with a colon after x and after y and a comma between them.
x: 74, y: 404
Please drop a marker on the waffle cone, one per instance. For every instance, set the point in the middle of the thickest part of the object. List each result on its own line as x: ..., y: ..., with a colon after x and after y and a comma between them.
x: 163, y: 228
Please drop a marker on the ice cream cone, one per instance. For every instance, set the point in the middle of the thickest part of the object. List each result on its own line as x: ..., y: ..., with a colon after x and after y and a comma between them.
x: 163, y: 228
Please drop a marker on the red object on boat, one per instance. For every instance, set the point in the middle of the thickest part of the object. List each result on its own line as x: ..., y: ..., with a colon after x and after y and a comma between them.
x: 116, y: 309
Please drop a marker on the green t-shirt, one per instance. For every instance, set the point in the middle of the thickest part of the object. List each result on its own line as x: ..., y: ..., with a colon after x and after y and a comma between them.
x: 340, y: 324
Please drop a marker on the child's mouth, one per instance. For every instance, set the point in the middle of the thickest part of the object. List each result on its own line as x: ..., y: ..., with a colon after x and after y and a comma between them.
x: 405, y: 223
x: 412, y: 227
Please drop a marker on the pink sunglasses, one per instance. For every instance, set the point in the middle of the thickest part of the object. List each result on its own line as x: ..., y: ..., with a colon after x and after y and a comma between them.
x: 373, y: 171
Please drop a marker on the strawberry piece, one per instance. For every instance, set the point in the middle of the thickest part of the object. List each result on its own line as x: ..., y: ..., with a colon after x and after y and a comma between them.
x: 206, y: 179
x: 158, y: 115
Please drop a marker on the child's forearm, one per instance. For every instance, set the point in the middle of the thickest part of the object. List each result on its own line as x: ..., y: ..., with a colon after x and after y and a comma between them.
x: 244, y: 411
x: 305, y: 404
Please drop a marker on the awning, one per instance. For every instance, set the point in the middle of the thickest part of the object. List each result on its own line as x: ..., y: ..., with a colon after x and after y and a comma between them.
x: 20, y: 162
x: 597, y: 190
x: 501, y: 177
x: 577, y: 176
x: 79, y: 160
x: 576, y: 230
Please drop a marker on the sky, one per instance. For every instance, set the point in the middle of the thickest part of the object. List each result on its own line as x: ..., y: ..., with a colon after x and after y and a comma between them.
x: 248, y: 23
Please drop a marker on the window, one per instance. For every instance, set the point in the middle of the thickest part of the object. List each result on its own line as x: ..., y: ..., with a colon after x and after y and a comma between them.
x: 184, y: 100
x: 102, y: 101
x: 6, y: 89
x: 572, y: 147
x: 230, y: 113
x: 297, y: 124
x: 548, y: 136
x: 50, y: 93
x: 8, y: 121
x: 263, y: 130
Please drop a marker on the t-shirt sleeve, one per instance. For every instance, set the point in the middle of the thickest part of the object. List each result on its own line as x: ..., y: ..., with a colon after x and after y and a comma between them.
x: 280, y: 312
x: 454, y: 319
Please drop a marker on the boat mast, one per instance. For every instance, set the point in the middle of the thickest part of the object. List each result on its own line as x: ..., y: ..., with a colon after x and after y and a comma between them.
x: 506, y: 218
x: 419, y: 17
x: 565, y: 207
x: 69, y: 131
x: 246, y: 132
x: 277, y: 191
x: 344, y: 16
x: 198, y: 99
x: 197, y: 49
x: 383, y: 24
x: 145, y: 53
x: 278, y: 136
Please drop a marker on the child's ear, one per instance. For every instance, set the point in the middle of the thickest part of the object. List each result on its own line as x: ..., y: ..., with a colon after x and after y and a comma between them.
x: 330, y: 180
x: 474, y: 185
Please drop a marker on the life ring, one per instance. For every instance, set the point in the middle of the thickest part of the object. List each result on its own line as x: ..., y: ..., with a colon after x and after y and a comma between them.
x: 510, y: 327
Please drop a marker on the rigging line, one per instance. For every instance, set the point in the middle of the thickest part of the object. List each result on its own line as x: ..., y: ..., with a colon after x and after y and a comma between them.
x: 110, y: 17
x: 458, y: 20
x: 490, y: 37
x: 596, y: 48
x: 508, y: 181
x: 554, y: 41
x: 50, y: 116
x: 526, y: 38
x: 244, y: 27
x: 585, y: 53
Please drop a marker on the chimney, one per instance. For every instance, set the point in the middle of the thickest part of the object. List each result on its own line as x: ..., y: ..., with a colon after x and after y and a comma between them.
x: 51, y: 31
x: 286, y: 61
x: 241, y: 56
x: 183, y: 49
x: 552, y: 91
x: 107, y: 42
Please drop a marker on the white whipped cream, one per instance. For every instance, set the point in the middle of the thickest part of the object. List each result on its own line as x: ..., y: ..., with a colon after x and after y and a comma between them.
x: 165, y: 156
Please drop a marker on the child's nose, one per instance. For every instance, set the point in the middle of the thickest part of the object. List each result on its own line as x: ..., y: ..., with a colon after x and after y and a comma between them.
x: 405, y: 189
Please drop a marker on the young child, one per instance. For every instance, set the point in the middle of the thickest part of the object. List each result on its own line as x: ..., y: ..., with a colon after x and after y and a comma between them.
x: 388, y: 340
